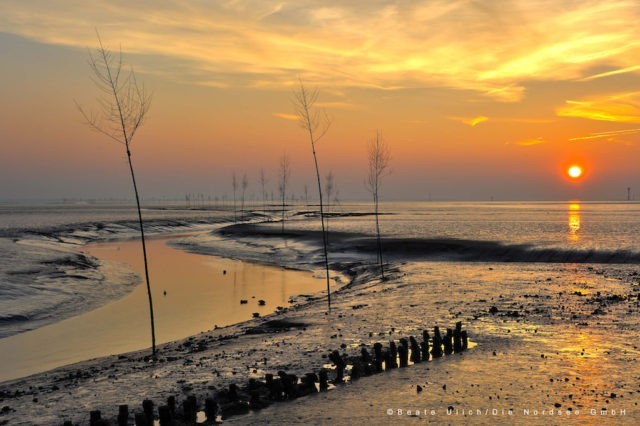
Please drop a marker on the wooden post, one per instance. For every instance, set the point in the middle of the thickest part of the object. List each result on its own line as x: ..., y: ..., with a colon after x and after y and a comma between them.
x: 233, y: 392
x: 436, y: 350
x: 448, y: 342
x: 465, y: 340
x: 164, y: 416
x: 323, y: 379
x: 189, y: 409
x: 211, y: 409
x: 147, y: 407
x: 171, y: 403
x: 340, y: 365
x: 95, y: 417
x: 309, y: 383
x: 123, y: 415
x: 377, y: 351
x: 457, y: 337
x: 356, y: 369
x: 290, y: 384
x: 416, y: 357
x: 367, y: 361
x: 403, y: 352
x: 393, y: 355
x: 424, y: 345
x: 141, y: 419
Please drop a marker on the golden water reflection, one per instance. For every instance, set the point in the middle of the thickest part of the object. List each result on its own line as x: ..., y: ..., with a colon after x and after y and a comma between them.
x: 574, y: 222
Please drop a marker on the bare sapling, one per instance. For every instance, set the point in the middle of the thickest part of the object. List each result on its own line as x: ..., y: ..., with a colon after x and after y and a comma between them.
x: 123, y: 107
x: 315, y: 123
x: 234, y: 185
x: 379, y: 158
x: 263, y: 184
x: 284, y: 175
x: 329, y: 186
x: 245, y: 185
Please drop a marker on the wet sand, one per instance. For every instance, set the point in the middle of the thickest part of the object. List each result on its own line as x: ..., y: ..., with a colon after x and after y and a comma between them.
x: 199, y: 296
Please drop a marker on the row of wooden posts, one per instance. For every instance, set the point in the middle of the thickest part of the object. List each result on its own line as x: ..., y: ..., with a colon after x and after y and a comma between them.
x: 257, y: 394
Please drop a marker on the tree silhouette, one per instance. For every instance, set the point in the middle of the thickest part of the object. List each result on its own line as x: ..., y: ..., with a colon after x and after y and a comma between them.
x: 234, y: 184
x: 379, y: 158
x: 263, y: 184
x: 316, y: 123
x: 284, y: 175
x: 245, y: 185
x: 123, y: 107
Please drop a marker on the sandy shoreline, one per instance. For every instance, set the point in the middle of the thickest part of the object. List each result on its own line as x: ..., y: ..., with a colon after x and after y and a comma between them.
x: 542, y: 347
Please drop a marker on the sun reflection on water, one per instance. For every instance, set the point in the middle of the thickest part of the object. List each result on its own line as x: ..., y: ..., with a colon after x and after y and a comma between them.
x: 574, y: 222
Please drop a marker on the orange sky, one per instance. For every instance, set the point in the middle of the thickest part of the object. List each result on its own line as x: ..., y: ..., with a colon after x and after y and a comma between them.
x: 475, y: 99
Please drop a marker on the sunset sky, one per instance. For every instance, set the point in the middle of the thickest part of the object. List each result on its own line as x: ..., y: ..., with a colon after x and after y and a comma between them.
x: 476, y: 99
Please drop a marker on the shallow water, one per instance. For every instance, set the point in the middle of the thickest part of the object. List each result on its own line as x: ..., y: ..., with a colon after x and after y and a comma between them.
x: 191, y: 293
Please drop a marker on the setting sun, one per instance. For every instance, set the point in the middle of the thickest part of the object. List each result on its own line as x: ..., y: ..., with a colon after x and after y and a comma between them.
x: 574, y: 172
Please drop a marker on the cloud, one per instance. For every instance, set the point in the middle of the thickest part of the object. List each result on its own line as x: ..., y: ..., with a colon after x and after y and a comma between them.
x: 471, y: 121
x: 490, y: 48
x: 286, y: 116
x: 531, y: 142
x: 621, y: 108
x: 612, y: 72
x: 610, y: 135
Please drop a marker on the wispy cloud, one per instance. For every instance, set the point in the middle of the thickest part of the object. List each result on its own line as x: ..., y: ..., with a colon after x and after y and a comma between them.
x: 286, y: 116
x: 607, y: 135
x: 531, y: 142
x: 491, y: 48
x: 610, y: 73
x: 621, y: 107
x: 471, y: 121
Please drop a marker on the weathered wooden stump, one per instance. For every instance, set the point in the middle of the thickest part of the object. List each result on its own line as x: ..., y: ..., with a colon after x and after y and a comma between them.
x: 403, y: 353
x: 323, y: 380
x: 233, y: 392
x: 424, y: 350
x: 457, y: 338
x: 416, y: 357
x: 424, y: 345
x: 95, y: 417
x: 308, y: 384
x: 275, y: 387
x: 367, y: 362
x: 393, y: 355
x: 190, y: 410
x: 211, y: 409
x: 164, y: 416
x: 340, y: 365
x: 140, y: 419
x: 436, y: 349
x: 465, y: 340
x: 356, y: 370
x: 377, y: 351
x: 448, y: 342
x: 123, y: 415
x: 147, y: 408
x: 290, y: 384
x: 171, y: 403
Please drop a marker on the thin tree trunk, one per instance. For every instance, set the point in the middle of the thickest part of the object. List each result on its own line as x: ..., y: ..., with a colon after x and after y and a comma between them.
x: 378, y: 239
x: 283, y: 212
x: 144, y: 253
x: 324, y: 232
